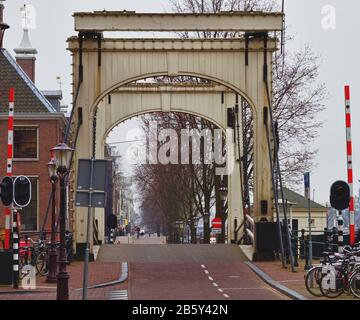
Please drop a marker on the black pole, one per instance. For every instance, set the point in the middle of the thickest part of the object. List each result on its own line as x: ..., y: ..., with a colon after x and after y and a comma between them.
x: 15, y: 236
x: 63, y: 276
x: 51, y: 277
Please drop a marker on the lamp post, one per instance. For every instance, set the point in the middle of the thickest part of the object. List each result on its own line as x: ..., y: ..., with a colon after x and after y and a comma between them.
x: 223, y: 196
x: 51, y: 277
x: 63, y: 157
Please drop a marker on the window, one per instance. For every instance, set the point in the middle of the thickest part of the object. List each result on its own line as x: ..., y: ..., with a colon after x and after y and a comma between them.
x: 29, y: 215
x: 25, y: 143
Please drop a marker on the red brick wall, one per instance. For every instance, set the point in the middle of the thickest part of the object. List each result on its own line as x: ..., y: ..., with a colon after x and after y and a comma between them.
x: 49, y: 136
x: 28, y: 65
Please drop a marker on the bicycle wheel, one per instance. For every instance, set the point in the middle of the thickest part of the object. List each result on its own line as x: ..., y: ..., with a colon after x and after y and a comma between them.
x: 354, y: 284
x: 41, y: 263
x: 312, y: 281
x: 332, y: 284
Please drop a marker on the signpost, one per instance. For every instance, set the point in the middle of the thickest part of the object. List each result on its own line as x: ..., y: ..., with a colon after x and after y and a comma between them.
x: 307, y: 195
x: 90, y: 193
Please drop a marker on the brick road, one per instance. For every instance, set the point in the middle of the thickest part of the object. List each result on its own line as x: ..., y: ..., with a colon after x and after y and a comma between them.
x: 99, y: 272
x: 177, y: 272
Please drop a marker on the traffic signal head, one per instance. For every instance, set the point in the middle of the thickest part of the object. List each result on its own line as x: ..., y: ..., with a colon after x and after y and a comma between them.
x: 6, y: 194
x: 112, y: 221
x: 22, y: 191
x: 340, y: 195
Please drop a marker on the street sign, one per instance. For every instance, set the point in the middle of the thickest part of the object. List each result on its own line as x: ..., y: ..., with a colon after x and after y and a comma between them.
x: 216, y: 223
x: 98, y: 199
x: 307, y: 184
x: 216, y: 230
x: 100, y: 174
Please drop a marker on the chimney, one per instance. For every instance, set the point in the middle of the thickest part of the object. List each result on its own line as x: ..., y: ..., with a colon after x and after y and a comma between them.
x: 3, y: 25
x: 26, y: 54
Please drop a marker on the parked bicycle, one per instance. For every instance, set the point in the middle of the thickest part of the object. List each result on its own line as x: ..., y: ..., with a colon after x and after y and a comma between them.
x: 337, y: 273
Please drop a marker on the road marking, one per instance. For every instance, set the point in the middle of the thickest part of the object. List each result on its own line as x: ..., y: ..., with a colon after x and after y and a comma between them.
x: 245, y: 288
x: 215, y: 284
x: 220, y: 290
x: 211, y: 279
x: 202, y: 266
x: 226, y: 296
x: 119, y: 295
x: 207, y: 272
x: 234, y: 276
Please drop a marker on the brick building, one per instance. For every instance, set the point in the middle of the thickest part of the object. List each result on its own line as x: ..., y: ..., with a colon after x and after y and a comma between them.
x: 38, y: 127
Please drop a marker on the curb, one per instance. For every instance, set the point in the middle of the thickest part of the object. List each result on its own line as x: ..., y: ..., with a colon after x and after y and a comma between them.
x: 123, y: 278
x: 24, y: 292
x: 277, y: 286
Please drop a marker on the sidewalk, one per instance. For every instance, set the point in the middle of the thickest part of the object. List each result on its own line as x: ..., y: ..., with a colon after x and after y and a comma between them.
x: 293, y: 280
x: 99, y: 272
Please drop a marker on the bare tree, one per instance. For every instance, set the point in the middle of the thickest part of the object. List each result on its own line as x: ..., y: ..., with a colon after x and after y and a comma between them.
x: 298, y: 97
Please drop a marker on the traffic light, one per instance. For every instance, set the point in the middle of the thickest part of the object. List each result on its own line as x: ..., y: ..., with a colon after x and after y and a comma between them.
x: 112, y: 221
x: 6, y: 194
x: 340, y: 195
x: 22, y: 191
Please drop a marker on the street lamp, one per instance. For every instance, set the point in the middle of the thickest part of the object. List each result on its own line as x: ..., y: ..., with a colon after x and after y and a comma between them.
x: 63, y: 157
x: 51, y: 277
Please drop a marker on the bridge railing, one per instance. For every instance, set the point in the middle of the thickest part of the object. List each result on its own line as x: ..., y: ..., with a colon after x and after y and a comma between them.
x: 249, y: 228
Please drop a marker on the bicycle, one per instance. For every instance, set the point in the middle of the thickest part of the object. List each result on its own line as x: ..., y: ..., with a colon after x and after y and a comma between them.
x: 337, y: 277
x: 314, y: 275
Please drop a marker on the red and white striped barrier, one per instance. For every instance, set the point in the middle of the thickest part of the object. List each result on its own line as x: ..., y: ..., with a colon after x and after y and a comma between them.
x: 350, y: 164
x: 9, y: 166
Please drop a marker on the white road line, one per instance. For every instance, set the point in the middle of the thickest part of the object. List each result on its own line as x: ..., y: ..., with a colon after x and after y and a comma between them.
x: 226, y: 296
x: 211, y: 279
x: 244, y: 288
x: 234, y: 276
x: 202, y: 266
x: 220, y: 290
x: 207, y: 272
x: 215, y: 284
x: 119, y: 295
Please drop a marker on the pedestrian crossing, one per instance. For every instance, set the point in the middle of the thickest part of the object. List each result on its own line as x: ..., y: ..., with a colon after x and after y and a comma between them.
x: 119, y: 295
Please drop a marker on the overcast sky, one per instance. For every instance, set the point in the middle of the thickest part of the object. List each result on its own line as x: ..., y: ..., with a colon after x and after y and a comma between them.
x: 339, y: 49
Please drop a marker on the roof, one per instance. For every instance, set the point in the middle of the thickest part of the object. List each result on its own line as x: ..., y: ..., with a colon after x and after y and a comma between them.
x: 300, y: 201
x: 28, y: 99
x: 52, y: 93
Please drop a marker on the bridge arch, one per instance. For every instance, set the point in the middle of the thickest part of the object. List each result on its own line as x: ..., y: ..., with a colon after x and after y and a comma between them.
x: 113, y: 87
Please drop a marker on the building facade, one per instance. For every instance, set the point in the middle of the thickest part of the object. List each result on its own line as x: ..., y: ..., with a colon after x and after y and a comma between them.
x: 38, y: 127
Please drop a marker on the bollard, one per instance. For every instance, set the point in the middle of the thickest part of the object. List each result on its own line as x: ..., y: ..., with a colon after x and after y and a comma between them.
x: 340, y: 233
x: 295, y: 250
x: 15, y: 236
x: 302, y: 242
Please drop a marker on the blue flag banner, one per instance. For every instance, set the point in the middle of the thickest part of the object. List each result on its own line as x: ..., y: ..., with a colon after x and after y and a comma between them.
x: 307, y: 184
